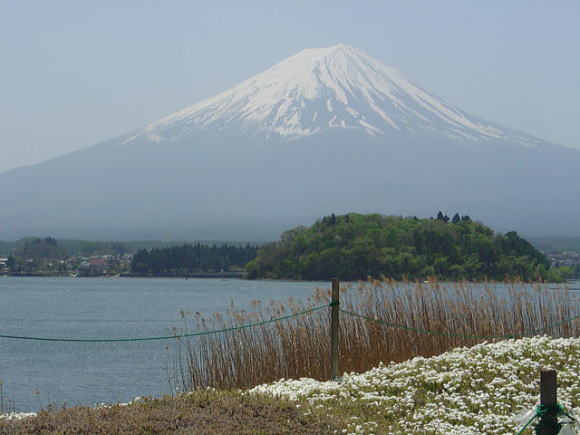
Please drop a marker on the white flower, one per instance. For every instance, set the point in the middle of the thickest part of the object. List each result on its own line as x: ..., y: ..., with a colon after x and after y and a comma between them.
x: 466, y: 391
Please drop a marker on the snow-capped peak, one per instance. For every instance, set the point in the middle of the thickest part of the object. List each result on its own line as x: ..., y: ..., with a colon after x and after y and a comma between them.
x: 318, y: 89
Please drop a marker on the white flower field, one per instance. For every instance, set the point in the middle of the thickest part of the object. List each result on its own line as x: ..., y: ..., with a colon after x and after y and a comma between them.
x: 491, y: 388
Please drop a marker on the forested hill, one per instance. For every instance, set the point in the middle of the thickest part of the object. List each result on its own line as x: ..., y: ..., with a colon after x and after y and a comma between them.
x: 356, y: 246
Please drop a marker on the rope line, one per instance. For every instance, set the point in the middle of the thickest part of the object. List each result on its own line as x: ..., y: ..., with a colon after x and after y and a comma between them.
x: 250, y: 325
x: 166, y: 337
x: 525, y: 426
x: 544, y: 410
x: 453, y: 334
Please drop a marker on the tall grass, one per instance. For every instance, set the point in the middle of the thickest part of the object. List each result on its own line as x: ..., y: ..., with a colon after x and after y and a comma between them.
x: 300, y: 346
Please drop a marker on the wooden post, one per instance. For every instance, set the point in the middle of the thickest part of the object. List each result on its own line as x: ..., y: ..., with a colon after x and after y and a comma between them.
x: 548, y: 424
x: 548, y: 386
x: 334, y: 326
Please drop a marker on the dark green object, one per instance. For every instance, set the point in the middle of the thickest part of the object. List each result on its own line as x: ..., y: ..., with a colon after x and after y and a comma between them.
x: 548, y: 424
x: 548, y: 415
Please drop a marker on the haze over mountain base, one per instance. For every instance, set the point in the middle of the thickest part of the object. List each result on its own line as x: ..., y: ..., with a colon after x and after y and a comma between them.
x: 326, y: 131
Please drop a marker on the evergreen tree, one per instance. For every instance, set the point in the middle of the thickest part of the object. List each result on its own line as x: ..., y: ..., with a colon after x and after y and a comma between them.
x: 191, y: 259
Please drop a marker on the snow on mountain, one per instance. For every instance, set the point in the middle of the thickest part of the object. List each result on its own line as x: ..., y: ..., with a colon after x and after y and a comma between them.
x: 319, y: 89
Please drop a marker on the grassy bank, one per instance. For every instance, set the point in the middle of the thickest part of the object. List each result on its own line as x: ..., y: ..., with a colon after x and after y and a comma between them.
x: 487, y: 389
x: 201, y: 412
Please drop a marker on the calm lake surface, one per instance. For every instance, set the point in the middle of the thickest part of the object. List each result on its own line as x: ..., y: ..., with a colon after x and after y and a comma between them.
x: 37, y: 373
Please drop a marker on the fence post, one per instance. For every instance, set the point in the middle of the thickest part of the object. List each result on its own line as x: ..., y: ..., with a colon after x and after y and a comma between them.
x: 334, y: 326
x: 548, y: 424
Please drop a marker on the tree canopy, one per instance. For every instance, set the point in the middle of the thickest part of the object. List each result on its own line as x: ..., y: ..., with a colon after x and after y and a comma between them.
x: 42, y: 248
x: 356, y: 246
x: 191, y: 258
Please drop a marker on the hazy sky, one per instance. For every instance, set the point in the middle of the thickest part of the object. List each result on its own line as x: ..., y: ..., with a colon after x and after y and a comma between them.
x: 75, y: 73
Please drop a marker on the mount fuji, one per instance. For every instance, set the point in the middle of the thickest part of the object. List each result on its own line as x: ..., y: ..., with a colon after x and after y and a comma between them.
x: 324, y: 89
x: 326, y: 130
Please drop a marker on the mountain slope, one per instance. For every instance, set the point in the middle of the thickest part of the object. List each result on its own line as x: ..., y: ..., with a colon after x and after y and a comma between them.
x: 326, y: 88
x: 326, y: 130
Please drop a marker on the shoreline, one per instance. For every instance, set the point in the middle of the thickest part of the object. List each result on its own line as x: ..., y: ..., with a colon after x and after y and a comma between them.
x: 223, y: 275
x: 240, y: 275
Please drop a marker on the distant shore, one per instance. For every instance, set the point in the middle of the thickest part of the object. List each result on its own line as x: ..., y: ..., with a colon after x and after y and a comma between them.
x: 187, y: 275
x: 223, y: 275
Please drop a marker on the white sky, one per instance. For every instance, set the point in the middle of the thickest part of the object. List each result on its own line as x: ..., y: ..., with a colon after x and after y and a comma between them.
x: 73, y: 73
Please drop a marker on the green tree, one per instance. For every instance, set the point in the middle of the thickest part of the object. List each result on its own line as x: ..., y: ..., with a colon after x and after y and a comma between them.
x: 357, y: 246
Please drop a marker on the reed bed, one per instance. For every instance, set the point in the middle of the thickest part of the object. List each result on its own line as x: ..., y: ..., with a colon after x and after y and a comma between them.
x: 300, y: 346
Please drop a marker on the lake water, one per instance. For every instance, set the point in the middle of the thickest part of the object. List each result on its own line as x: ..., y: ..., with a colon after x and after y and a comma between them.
x: 36, y: 373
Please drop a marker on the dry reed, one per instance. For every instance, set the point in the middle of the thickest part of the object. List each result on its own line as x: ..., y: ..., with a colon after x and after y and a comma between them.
x: 300, y: 346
